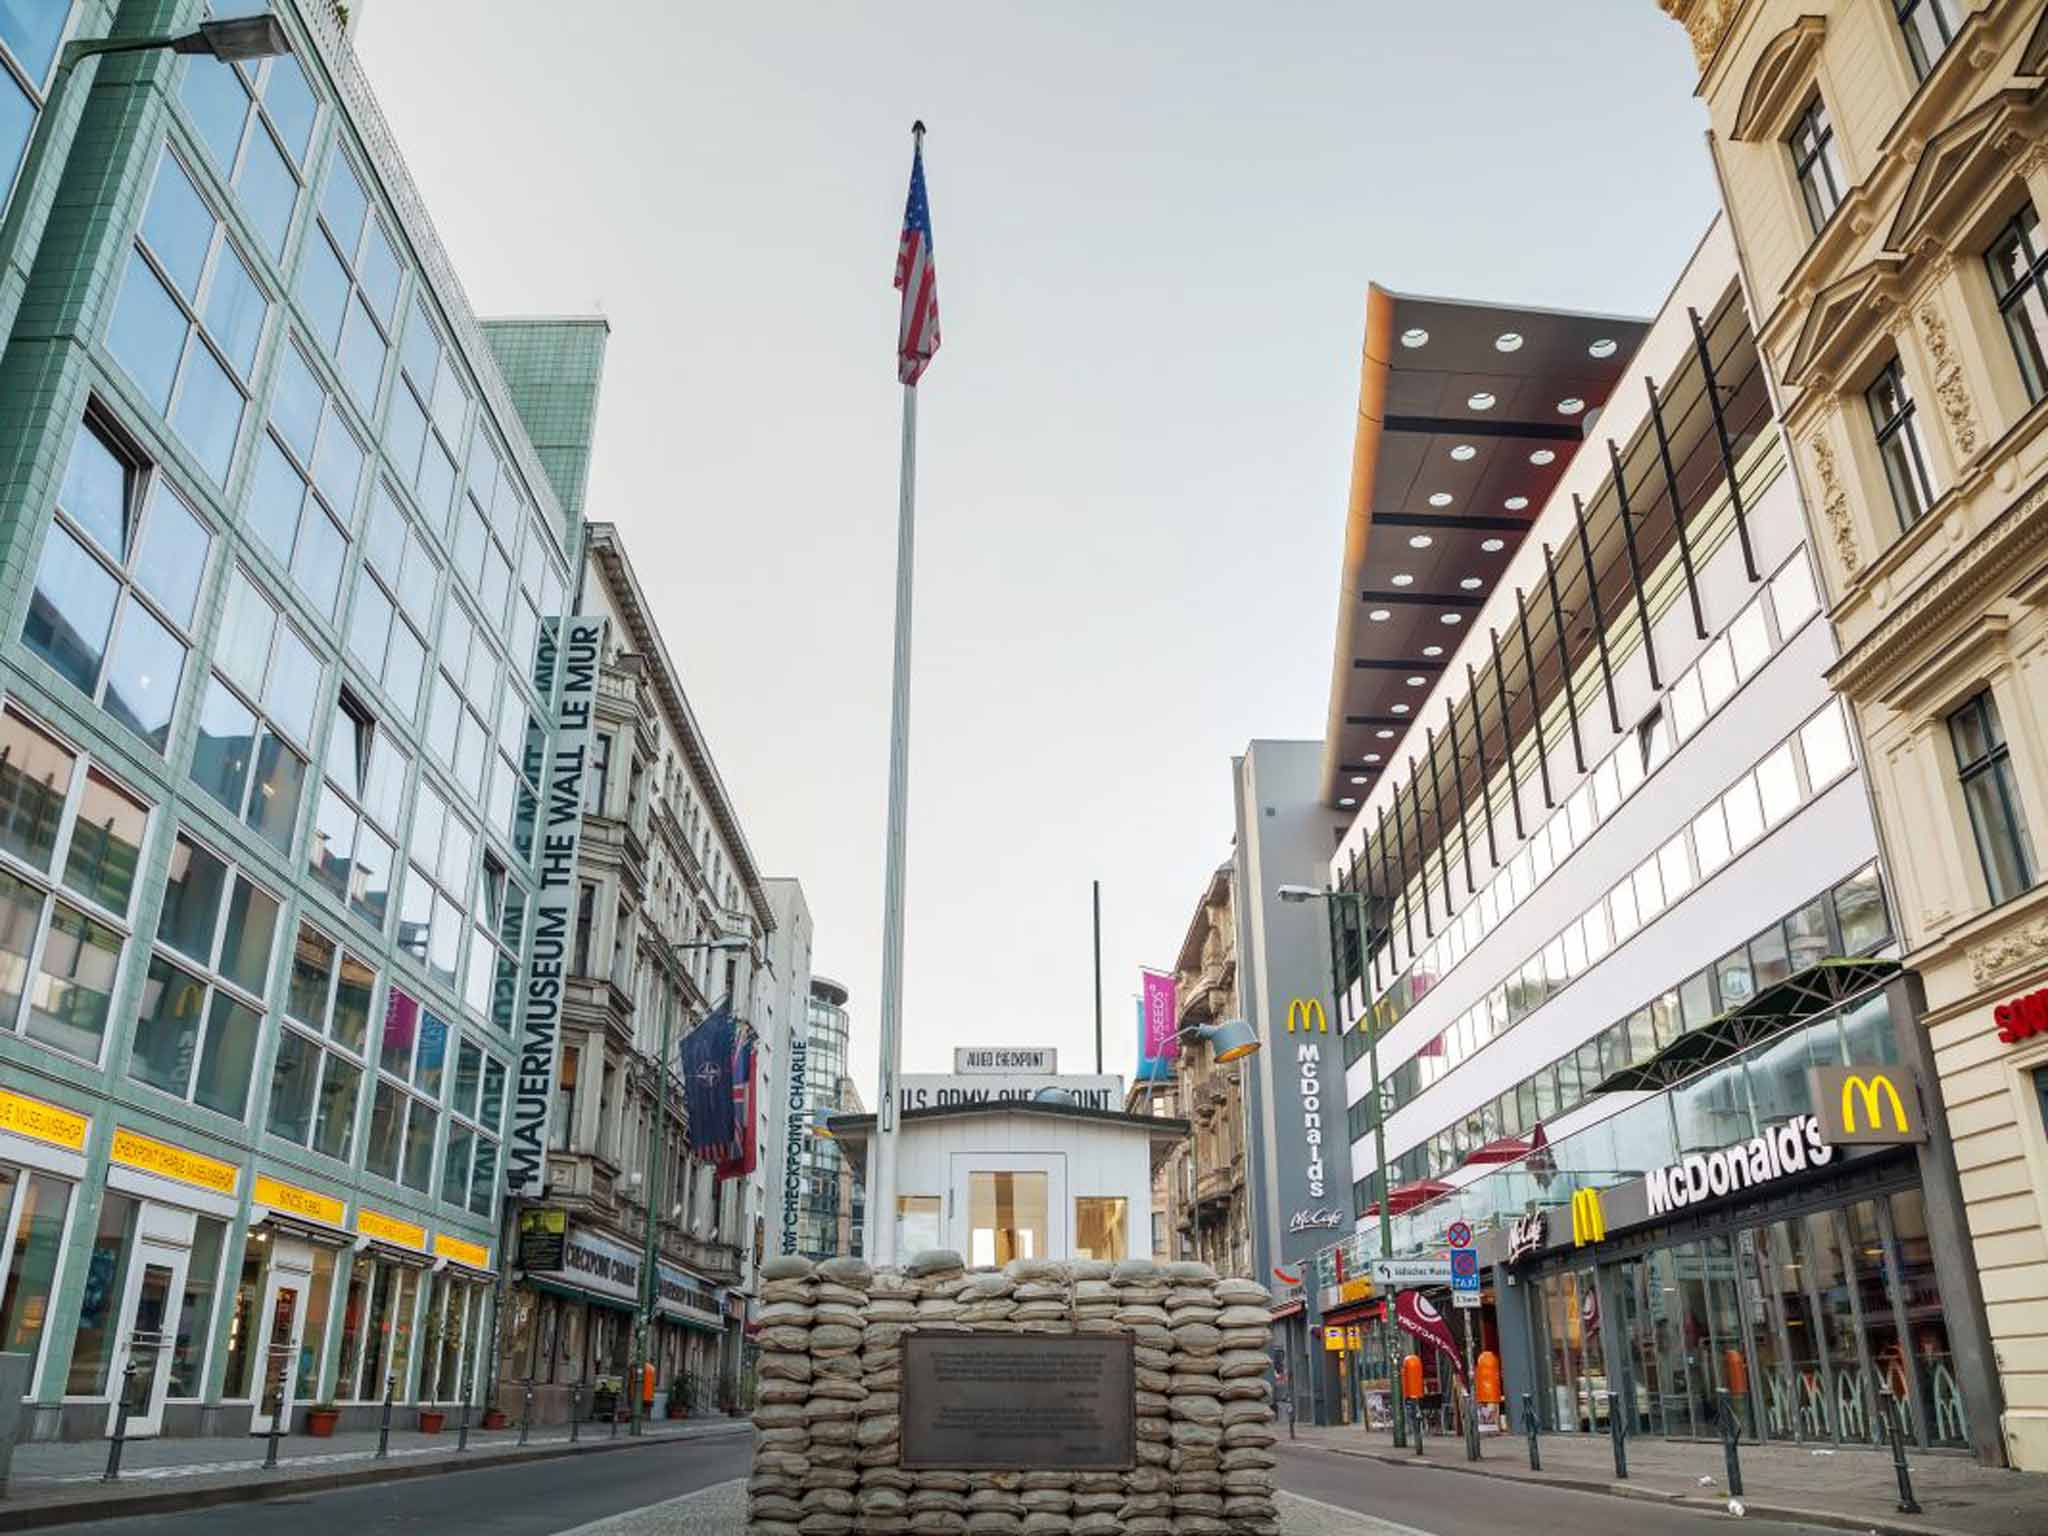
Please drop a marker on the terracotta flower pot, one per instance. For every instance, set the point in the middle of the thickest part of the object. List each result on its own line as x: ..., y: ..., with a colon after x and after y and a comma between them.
x: 431, y: 1420
x: 495, y: 1418
x: 321, y: 1421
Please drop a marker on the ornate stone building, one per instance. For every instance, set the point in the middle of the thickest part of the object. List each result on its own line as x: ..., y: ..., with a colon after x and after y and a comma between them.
x: 1885, y: 167
x: 1208, y: 1202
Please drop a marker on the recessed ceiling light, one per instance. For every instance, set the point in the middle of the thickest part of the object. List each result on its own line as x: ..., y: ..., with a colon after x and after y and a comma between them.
x: 1384, y: 735
x: 1508, y: 341
x: 1570, y: 405
x: 1417, y: 682
x: 1470, y: 583
x: 1516, y: 503
x: 1480, y: 400
x: 1372, y: 757
x: 1541, y: 456
x: 1404, y: 580
x: 1452, y: 618
x: 1432, y: 650
x: 1400, y: 709
x: 1440, y: 499
x: 1348, y: 800
x: 1379, y: 615
x: 1414, y: 337
x: 1420, y: 541
x: 1463, y: 452
x: 1361, y: 778
x: 1494, y: 546
x: 1604, y: 347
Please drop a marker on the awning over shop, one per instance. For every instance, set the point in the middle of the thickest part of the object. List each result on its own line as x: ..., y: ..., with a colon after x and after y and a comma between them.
x: 577, y: 1293
x: 1801, y: 997
x: 1360, y: 1312
x: 1408, y: 1196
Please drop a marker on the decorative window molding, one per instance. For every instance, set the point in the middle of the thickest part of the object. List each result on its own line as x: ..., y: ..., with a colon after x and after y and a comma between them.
x: 1778, y: 82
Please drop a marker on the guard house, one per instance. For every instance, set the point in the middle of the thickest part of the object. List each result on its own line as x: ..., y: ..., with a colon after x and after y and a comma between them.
x: 996, y: 1178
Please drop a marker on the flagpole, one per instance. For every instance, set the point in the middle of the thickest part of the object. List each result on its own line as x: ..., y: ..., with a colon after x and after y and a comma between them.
x: 881, y: 1232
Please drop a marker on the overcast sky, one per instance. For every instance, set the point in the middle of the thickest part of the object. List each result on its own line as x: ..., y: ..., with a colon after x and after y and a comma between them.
x: 1154, y: 225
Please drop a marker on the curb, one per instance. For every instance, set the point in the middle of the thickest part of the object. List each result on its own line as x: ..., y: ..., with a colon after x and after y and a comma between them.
x: 25, y: 1517
x: 1876, y: 1525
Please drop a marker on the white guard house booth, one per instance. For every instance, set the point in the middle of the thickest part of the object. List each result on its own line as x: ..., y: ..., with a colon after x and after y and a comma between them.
x: 1000, y: 1179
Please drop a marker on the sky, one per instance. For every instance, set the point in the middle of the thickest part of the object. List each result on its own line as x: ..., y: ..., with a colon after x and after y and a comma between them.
x: 1154, y: 224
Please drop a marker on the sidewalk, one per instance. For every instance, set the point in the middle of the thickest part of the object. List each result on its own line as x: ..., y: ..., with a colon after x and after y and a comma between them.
x: 1850, y: 1489
x: 59, y: 1482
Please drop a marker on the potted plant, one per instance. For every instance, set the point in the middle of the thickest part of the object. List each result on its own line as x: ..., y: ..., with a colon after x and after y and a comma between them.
x: 495, y: 1418
x: 431, y: 1420
x: 321, y: 1419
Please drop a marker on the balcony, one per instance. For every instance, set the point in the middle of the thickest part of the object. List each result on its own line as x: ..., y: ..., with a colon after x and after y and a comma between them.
x: 715, y: 1261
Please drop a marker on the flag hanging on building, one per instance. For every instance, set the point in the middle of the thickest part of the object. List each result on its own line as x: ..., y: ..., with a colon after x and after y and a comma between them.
x: 707, y: 1062
x: 744, y: 1144
x: 917, y: 329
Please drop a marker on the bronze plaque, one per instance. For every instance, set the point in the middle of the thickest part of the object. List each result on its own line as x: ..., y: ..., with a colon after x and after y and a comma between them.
x: 1020, y: 1402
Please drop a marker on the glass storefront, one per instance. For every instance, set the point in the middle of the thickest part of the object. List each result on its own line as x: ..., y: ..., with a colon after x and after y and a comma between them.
x: 32, y: 1211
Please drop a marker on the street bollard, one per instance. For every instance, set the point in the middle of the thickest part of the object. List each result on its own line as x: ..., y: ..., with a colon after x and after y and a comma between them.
x: 1290, y: 1415
x: 575, y: 1428
x: 1471, y: 1426
x: 113, y: 1472
x: 1731, y: 1437
x: 526, y: 1412
x: 384, y: 1426
x: 1895, y: 1431
x: 1617, y: 1432
x: 462, y: 1427
x: 1529, y: 1424
x: 1417, y: 1427
x: 615, y: 1419
x: 270, y: 1451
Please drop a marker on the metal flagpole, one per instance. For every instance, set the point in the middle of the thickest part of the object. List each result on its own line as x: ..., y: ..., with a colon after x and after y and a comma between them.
x: 882, y: 1177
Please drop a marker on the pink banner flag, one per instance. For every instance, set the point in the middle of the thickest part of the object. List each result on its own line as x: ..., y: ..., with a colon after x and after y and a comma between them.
x: 1161, y: 1041
x: 1415, y: 1315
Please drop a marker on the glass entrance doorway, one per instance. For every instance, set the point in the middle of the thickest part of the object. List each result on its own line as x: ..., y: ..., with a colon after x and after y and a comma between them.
x: 152, y: 1301
x: 281, y: 1322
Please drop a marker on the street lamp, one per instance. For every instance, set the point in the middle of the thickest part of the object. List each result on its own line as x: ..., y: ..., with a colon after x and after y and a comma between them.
x: 231, y: 40
x: 657, y: 1135
x: 1301, y: 893
x: 1228, y: 1041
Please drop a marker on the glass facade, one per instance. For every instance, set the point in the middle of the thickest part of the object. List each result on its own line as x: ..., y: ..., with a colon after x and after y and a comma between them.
x: 271, y: 750
x: 827, y: 1186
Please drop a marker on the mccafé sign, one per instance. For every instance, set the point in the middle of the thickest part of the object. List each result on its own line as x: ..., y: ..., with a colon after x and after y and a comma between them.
x: 1778, y: 1153
x: 2022, y: 1018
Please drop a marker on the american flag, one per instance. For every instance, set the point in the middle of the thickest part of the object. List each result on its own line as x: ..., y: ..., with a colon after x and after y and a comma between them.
x: 917, y: 331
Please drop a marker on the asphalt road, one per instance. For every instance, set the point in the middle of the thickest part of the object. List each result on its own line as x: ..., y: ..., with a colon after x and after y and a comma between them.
x: 535, y: 1500
x: 1459, y: 1504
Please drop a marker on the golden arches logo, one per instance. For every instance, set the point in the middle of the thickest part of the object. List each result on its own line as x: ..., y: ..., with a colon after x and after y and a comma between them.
x: 1872, y: 1091
x: 1589, y: 1221
x: 1308, y: 1013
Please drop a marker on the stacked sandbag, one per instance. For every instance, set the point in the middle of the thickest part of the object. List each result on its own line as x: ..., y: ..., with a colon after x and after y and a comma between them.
x: 827, y: 1459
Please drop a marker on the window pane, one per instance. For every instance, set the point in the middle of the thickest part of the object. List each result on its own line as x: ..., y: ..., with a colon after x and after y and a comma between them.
x: 209, y: 414
x: 334, y: 1133
x: 1750, y: 640
x: 71, y: 610
x: 106, y: 842
x: 243, y: 649
x: 484, y: 1178
x: 419, y: 1145
x: 331, y: 855
x: 370, y: 888
x: 274, y: 500
x: 455, y: 1165
x: 290, y: 103
x: 295, y: 403
x: 316, y: 564
x: 369, y: 625
x: 291, y: 1087
x: 294, y: 690
x: 387, y: 1115
x: 229, y: 1058
x: 212, y: 96
x: 384, y: 784
x: 422, y: 348
x: 437, y: 482
x: 21, y: 908
x: 172, y: 561
x: 1792, y: 592
x: 362, y: 357
x: 1717, y: 674
x: 405, y: 432
x: 147, y: 333
x: 274, y: 806
x: 220, y: 760
x: 167, y: 1028
x: 380, y: 274
x: 75, y: 984
x: 446, y: 941
x: 312, y: 970
x: 1744, y: 813
x: 1777, y: 783
x: 268, y: 192
x: 97, y: 488
x: 323, y: 289
x: 178, y: 225
x: 342, y: 203
x: 192, y: 896
x: 338, y: 467
x: 235, y: 310
x: 1825, y: 741
x: 245, y: 947
x: 142, y: 681
x: 1859, y: 912
x: 491, y: 1111
x: 404, y: 668
x: 352, y: 1003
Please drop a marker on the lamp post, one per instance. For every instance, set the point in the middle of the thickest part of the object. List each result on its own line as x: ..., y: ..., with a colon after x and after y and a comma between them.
x: 1379, y: 1117
x: 657, y: 1136
x: 1228, y: 1041
x: 228, y: 40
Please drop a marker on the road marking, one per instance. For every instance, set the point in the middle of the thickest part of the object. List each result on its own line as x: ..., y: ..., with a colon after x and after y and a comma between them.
x: 724, y: 1503
x: 1389, y: 1527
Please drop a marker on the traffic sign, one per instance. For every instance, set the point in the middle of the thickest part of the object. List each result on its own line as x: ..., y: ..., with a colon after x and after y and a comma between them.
x: 1411, y: 1272
x: 1464, y: 1266
x: 1460, y: 1235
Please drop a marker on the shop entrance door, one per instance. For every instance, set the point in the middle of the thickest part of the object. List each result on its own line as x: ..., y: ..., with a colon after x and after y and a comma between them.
x: 151, y: 1305
x: 281, y: 1324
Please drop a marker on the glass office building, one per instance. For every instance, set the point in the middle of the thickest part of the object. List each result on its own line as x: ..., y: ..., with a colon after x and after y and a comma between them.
x: 826, y: 1226
x: 278, y: 550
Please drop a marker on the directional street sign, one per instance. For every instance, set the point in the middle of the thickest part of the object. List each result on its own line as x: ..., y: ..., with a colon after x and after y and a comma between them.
x: 1464, y: 1266
x: 1411, y: 1272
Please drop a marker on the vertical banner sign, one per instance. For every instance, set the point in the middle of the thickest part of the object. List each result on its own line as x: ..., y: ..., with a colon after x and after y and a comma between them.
x: 581, y: 656
x: 1416, y: 1317
x: 1161, y: 1041
x: 798, y: 1103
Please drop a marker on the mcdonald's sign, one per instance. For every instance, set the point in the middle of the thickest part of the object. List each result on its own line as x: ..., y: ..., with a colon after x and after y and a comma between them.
x: 1868, y: 1105
x: 1307, y: 1014
x: 1589, y: 1221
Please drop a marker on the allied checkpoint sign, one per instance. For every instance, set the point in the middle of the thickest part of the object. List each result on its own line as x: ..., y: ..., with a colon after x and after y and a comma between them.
x: 1020, y: 1402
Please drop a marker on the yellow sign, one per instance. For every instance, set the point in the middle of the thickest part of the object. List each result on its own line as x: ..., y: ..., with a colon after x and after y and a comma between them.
x: 376, y: 1224
x: 1589, y: 1221
x: 1308, y: 1011
x: 1333, y: 1340
x: 1354, y: 1290
x: 167, y: 1161
x: 1354, y: 1337
x: 294, y: 1201
x: 43, y: 1122
x: 475, y: 1255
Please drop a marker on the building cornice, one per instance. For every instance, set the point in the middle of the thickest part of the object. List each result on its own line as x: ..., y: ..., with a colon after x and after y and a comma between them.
x: 1706, y: 22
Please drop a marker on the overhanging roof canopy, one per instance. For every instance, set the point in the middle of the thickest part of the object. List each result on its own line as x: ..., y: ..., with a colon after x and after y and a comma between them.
x: 1467, y: 416
x: 1798, y: 999
x: 852, y: 1132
